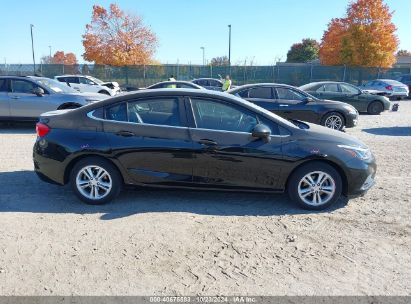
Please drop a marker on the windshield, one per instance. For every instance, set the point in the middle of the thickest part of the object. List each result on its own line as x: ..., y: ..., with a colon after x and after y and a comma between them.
x: 98, y: 81
x: 54, y: 86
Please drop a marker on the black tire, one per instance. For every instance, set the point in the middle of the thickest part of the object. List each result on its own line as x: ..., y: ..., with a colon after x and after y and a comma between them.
x: 104, y: 92
x: 113, y: 176
x: 296, y: 179
x: 335, y: 115
x: 375, y: 108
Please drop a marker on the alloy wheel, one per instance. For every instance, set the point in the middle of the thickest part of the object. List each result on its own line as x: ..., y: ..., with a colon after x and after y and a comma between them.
x: 316, y: 188
x: 94, y: 182
x: 334, y: 122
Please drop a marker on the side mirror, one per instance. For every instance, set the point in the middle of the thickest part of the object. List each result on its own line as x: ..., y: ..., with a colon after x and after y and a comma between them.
x: 262, y: 131
x: 38, y: 91
x: 308, y: 99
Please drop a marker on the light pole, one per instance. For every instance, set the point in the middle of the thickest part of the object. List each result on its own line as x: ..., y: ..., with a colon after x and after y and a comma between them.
x: 229, y: 45
x: 203, y: 48
x: 50, y: 51
x: 32, y: 48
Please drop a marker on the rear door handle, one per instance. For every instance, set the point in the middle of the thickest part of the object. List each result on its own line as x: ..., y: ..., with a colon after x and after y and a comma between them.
x: 125, y: 133
x: 283, y: 105
x: 207, y: 142
x: 15, y: 97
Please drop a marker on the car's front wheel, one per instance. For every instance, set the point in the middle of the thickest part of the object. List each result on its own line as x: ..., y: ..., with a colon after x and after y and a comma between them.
x: 315, y: 186
x: 375, y: 108
x: 334, y: 121
x: 95, y: 181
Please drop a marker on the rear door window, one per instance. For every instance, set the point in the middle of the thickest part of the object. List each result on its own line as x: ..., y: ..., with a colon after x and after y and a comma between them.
x: 260, y: 92
x: 215, y: 83
x: 22, y: 86
x: 156, y: 111
x: 72, y: 80
x: 329, y: 87
x: 289, y: 95
x: 202, y: 82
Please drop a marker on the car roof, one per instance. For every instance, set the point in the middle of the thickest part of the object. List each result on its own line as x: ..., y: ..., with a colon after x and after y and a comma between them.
x: 205, y: 78
x: 252, y: 85
x: 388, y: 80
x: 15, y: 76
x: 72, y: 75
x: 179, y: 92
x: 177, y: 82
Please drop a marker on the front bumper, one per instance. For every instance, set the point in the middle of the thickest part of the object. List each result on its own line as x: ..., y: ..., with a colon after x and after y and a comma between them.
x: 351, y: 120
x: 361, y: 177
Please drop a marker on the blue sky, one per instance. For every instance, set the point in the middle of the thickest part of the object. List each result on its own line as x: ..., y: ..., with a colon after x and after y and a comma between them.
x: 262, y: 30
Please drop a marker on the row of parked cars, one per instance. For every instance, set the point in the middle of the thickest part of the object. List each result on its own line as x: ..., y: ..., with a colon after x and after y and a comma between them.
x: 185, y: 134
x: 335, y: 105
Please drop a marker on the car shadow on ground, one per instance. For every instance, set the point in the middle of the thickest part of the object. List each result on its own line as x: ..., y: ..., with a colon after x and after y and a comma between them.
x: 390, y: 131
x: 22, y: 191
x: 18, y: 128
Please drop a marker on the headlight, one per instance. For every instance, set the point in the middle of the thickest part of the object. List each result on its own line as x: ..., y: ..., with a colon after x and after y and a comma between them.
x: 350, y: 109
x: 360, y: 153
x: 91, y: 100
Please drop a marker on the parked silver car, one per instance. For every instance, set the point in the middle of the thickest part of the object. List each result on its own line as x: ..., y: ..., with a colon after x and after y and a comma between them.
x: 25, y: 98
x: 392, y: 88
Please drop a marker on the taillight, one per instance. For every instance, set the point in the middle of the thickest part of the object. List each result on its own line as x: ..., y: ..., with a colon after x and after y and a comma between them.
x: 42, y: 129
x: 389, y: 88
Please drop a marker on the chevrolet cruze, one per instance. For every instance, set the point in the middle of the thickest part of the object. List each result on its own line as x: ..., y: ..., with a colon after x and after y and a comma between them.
x: 197, y: 139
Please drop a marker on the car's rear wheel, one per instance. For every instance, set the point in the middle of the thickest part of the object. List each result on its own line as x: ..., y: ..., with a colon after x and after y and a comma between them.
x: 95, y: 181
x: 334, y: 121
x: 315, y: 186
x: 375, y: 108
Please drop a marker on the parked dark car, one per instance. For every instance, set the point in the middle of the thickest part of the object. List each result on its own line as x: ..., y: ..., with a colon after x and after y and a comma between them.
x: 175, y: 84
x: 363, y: 101
x: 292, y: 103
x: 406, y: 79
x: 197, y: 139
x: 209, y: 83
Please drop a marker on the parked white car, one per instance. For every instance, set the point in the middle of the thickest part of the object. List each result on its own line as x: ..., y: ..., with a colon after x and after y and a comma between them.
x: 392, y: 88
x: 85, y: 83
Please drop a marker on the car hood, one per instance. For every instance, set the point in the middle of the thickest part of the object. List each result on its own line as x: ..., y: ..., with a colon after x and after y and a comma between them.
x: 373, y: 92
x: 331, y: 102
x: 329, y: 135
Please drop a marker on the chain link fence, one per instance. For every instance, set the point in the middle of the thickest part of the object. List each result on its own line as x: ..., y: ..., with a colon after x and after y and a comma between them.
x: 141, y: 76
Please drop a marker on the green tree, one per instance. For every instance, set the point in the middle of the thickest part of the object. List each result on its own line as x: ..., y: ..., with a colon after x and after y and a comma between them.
x: 304, y: 51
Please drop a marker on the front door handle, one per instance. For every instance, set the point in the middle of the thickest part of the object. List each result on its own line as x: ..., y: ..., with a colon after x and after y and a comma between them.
x: 207, y: 142
x: 125, y: 133
x: 15, y: 97
x: 283, y: 105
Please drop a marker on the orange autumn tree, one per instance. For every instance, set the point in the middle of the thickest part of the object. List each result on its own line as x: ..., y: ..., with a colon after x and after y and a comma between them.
x: 364, y: 37
x: 116, y: 38
x: 61, y: 58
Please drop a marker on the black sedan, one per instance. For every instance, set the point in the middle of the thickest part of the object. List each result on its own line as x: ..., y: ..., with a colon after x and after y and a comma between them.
x: 292, y: 103
x: 363, y: 101
x: 197, y: 139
